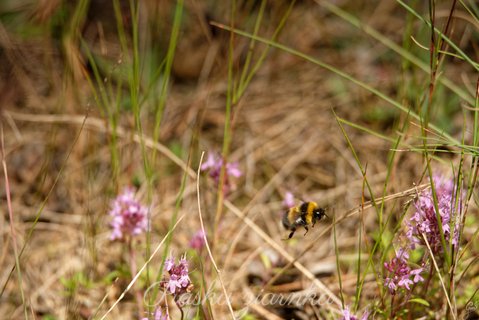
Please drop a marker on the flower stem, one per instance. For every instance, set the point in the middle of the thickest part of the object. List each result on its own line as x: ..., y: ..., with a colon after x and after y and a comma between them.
x: 392, y: 306
x: 134, y: 270
x: 179, y: 307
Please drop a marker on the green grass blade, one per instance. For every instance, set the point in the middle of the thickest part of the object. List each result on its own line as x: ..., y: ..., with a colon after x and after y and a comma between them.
x: 338, y: 72
x: 394, y: 47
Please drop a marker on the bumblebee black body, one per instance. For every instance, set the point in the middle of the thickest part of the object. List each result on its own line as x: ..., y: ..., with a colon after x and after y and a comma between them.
x: 304, y: 215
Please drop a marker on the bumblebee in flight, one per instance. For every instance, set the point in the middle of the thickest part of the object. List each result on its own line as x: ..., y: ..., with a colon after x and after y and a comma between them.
x: 304, y: 215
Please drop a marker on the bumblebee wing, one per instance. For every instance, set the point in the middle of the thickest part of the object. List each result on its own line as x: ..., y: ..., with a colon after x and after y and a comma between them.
x: 286, y: 223
x: 300, y: 221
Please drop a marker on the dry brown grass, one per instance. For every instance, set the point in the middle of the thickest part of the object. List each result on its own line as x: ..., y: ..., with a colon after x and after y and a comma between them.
x: 285, y: 137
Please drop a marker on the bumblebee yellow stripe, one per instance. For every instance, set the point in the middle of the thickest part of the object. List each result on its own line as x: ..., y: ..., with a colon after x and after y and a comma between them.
x: 309, y: 212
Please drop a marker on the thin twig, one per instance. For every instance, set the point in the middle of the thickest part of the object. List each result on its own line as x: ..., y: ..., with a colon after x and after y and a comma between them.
x: 12, y: 226
x: 439, y: 275
x: 218, y: 272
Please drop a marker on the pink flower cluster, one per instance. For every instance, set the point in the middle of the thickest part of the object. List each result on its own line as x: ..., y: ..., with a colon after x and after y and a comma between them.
x: 198, y: 240
x: 179, y: 281
x: 424, y: 220
x: 129, y: 216
x: 213, y: 165
x: 400, y: 273
x: 288, y: 200
x: 158, y: 315
x: 346, y: 315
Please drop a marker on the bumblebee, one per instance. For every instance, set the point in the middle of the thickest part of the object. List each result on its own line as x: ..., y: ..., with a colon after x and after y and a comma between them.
x: 304, y: 215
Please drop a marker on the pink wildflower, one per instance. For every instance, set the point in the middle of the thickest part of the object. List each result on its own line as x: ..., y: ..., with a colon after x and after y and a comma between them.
x: 158, y: 315
x: 129, y: 216
x: 198, y: 240
x: 213, y: 165
x: 179, y: 281
x: 424, y: 220
x: 346, y: 315
x: 288, y: 201
x: 400, y: 272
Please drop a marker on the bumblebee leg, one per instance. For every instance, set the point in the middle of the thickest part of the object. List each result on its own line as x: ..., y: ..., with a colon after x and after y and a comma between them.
x: 306, y: 227
x: 292, y: 233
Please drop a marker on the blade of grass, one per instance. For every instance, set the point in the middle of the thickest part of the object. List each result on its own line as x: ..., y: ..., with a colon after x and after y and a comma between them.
x: 170, y: 55
x: 178, y: 202
x: 361, y: 168
x: 206, y: 297
x: 379, y: 212
x: 244, y: 84
x: 137, y: 275
x: 414, y: 148
x: 440, y: 277
x: 472, y: 14
x: 338, y: 265
x: 393, y: 46
x: 339, y: 73
x: 443, y: 36
x: 447, y: 257
x: 44, y: 203
x: 103, y: 100
x: 12, y: 229
x: 252, y: 43
x: 390, y: 168
x: 234, y: 94
x: 424, y: 121
x: 134, y: 84
x: 227, y: 131
x: 218, y: 272
x: 357, y: 294
x: 473, y: 175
